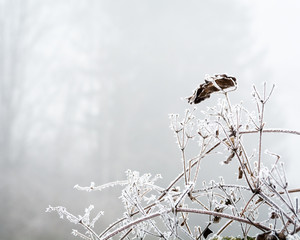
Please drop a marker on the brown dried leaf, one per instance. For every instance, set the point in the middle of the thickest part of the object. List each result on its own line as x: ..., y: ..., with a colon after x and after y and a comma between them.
x: 259, y: 200
x: 206, y: 232
x: 217, y: 219
x: 274, y: 215
x: 230, y: 157
x: 240, y: 173
x: 217, y: 83
x: 270, y: 235
x: 228, y: 202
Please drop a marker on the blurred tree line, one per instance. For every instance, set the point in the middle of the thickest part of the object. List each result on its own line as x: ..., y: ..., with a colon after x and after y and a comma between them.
x: 85, y: 92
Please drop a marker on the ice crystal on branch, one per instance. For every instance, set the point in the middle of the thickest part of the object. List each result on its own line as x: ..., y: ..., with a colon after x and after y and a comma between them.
x: 260, y: 199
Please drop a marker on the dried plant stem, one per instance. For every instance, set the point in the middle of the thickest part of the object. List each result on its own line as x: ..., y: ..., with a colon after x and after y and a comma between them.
x: 272, y: 131
x: 284, y: 228
x: 186, y: 210
x: 235, y: 207
x: 291, y: 191
x: 91, y: 231
x: 199, y: 202
x: 186, y: 223
x: 247, y: 163
x: 247, y: 204
x: 260, y: 140
x: 259, y: 154
x: 184, y: 166
x: 182, y: 174
x: 261, y: 110
x: 201, y: 155
x: 187, y: 190
x: 244, y: 172
x: 133, y: 223
x: 223, y: 186
x: 272, y: 203
x: 223, y: 215
x: 181, y: 145
x: 290, y: 207
x: 228, y: 101
x: 126, y: 234
x: 224, y: 227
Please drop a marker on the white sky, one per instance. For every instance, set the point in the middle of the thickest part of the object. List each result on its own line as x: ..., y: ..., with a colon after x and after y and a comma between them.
x: 275, y: 27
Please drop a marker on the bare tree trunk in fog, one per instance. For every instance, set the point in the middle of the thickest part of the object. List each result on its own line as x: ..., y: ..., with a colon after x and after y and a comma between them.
x: 11, y: 72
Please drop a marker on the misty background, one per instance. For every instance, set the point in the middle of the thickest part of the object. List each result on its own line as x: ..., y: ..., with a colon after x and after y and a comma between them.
x: 86, y: 88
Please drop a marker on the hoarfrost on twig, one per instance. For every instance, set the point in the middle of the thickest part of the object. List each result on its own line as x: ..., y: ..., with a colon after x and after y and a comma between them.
x: 164, y: 212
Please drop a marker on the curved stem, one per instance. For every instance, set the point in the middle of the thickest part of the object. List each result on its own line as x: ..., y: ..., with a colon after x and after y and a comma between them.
x: 186, y: 210
x: 137, y: 221
x: 223, y: 215
x: 272, y: 131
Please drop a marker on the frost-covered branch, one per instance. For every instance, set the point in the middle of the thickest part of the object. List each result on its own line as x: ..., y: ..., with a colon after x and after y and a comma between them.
x: 260, y: 198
